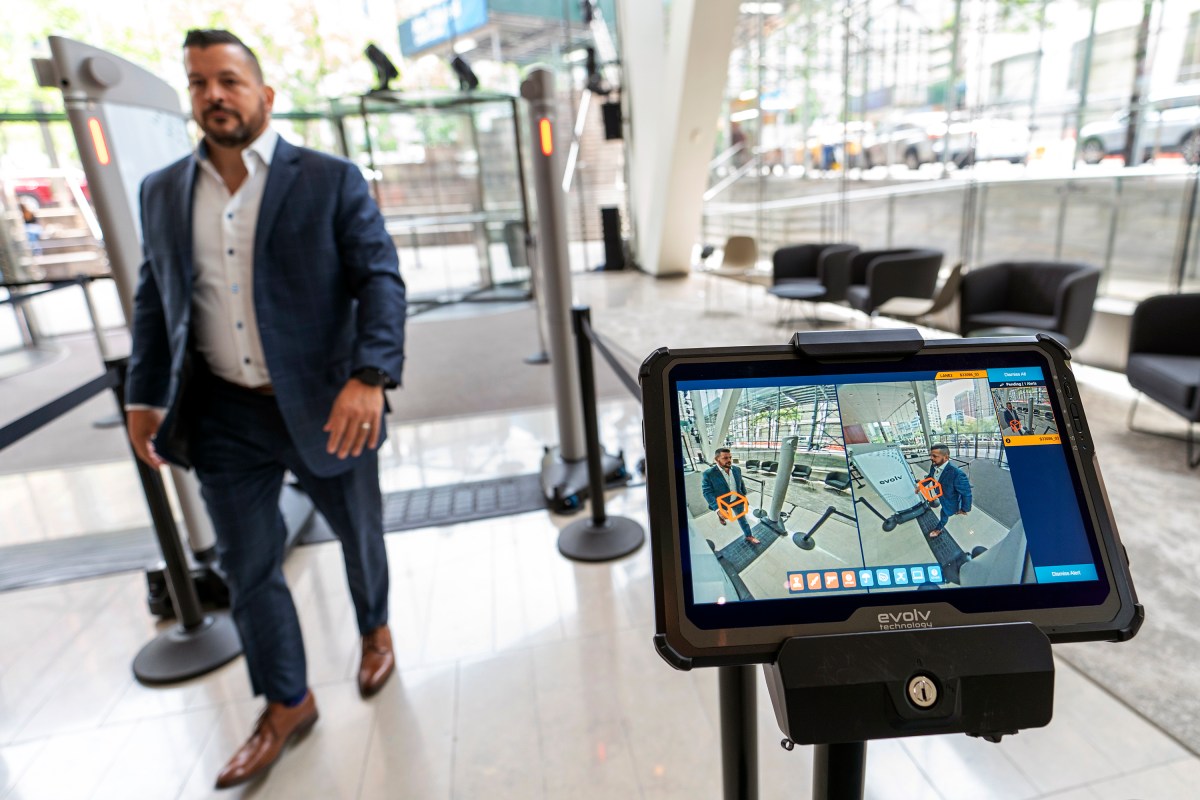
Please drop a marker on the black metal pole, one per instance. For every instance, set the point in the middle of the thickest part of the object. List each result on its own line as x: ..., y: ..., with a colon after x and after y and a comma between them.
x: 839, y: 771
x: 601, y: 538
x: 739, y: 733
x: 581, y: 316
x: 179, y: 579
x: 200, y: 642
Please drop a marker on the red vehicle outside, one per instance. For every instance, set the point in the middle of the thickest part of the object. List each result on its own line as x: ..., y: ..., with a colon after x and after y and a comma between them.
x: 39, y: 192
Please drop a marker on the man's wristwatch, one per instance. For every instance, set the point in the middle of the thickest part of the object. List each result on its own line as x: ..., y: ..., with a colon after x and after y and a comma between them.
x: 371, y: 376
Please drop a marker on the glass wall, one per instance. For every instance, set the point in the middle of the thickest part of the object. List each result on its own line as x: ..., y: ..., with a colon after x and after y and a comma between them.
x: 990, y: 129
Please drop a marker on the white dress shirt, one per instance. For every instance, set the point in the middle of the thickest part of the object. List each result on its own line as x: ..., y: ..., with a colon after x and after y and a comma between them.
x: 224, y: 323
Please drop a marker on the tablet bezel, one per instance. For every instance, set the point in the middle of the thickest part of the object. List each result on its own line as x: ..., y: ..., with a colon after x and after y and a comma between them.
x: 691, y: 639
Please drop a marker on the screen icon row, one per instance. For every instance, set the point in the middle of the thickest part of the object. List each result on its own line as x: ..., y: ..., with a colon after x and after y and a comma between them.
x: 827, y: 580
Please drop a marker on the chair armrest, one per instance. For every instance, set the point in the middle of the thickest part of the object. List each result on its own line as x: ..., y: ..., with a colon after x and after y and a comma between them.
x: 859, y: 263
x: 912, y: 274
x: 1167, y: 324
x: 1074, y: 303
x: 833, y: 269
x: 983, y: 289
x: 795, y: 261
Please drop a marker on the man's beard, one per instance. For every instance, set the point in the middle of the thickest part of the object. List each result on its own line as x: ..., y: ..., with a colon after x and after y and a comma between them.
x: 241, y: 134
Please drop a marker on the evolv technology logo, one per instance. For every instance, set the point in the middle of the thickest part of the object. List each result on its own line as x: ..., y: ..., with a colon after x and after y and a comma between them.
x: 905, y: 620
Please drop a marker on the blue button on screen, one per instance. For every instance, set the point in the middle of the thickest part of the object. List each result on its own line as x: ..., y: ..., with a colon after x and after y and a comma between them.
x: 1066, y: 573
x: 901, y: 575
x: 935, y: 574
x: 918, y: 574
x: 884, y: 576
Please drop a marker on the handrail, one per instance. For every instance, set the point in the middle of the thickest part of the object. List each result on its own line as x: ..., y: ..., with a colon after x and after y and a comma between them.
x: 728, y: 180
x: 725, y: 155
x: 934, y: 187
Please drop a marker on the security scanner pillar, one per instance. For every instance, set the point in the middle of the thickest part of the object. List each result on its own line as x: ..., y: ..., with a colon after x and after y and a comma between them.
x: 564, y: 467
x: 774, y: 518
x: 127, y: 123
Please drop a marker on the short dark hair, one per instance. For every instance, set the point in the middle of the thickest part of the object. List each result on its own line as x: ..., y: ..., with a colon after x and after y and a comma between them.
x: 941, y: 448
x: 720, y: 450
x: 207, y: 37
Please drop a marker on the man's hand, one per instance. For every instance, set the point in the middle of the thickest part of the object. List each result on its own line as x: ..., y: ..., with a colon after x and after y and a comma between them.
x: 355, y: 419
x: 143, y: 424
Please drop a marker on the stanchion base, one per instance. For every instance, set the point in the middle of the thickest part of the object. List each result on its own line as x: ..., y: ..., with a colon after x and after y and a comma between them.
x: 585, y: 541
x: 537, y: 358
x: 176, y: 654
x: 803, y: 542
x: 565, y: 483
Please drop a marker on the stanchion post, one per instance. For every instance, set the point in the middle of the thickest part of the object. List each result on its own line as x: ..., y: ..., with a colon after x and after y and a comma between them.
x: 739, y: 732
x: 581, y: 323
x: 839, y: 771
x: 199, y: 643
x: 601, y: 538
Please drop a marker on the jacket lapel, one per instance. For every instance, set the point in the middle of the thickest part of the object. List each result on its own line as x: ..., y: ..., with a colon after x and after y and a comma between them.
x: 183, y: 223
x: 280, y: 177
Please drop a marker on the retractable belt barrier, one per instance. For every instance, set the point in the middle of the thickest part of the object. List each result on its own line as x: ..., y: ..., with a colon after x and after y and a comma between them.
x: 200, y: 642
x: 84, y: 282
x: 40, y: 417
x: 603, y: 537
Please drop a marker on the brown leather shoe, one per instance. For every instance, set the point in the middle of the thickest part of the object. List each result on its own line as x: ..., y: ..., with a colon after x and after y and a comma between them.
x: 378, y: 661
x: 276, y: 726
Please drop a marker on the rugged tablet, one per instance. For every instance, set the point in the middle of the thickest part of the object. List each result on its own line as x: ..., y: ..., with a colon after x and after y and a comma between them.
x: 867, y: 481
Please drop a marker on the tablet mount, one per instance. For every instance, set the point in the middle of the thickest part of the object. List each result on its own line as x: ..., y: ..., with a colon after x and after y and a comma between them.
x: 839, y: 691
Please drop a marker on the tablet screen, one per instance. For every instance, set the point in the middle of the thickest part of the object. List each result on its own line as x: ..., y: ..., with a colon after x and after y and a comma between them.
x: 941, y: 477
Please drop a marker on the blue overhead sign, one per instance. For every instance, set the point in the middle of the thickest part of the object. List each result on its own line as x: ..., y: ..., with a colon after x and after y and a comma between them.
x: 441, y: 23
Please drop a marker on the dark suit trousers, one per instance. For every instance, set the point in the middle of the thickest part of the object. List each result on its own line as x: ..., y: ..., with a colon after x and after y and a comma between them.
x: 240, y: 449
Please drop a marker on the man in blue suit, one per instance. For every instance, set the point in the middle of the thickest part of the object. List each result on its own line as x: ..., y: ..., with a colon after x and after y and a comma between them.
x: 1011, y: 416
x: 268, y: 320
x: 721, y: 479
x: 956, y: 488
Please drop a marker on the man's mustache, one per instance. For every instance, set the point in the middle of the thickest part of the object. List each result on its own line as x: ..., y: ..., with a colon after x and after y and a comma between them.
x: 223, y: 110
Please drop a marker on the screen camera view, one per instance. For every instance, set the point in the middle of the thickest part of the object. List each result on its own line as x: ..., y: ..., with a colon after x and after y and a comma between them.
x: 876, y: 483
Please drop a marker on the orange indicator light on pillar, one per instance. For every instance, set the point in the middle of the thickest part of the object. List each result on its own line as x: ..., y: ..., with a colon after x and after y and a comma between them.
x: 98, y: 140
x: 546, y: 135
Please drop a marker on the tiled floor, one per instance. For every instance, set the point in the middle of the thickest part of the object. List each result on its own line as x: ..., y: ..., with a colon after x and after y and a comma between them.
x: 522, y: 675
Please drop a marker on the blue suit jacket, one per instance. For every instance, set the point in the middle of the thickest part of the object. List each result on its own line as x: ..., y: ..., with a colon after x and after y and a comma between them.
x: 715, y: 485
x: 956, y: 491
x: 327, y: 292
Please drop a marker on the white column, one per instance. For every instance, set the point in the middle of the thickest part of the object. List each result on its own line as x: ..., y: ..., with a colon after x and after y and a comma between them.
x: 675, y: 102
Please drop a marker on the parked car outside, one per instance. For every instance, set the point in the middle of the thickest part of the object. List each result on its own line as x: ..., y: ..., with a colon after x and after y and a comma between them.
x: 33, y: 193
x: 985, y: 139
x: 907, y: 140
x: 1170, y: 124
x: 37, y: 193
